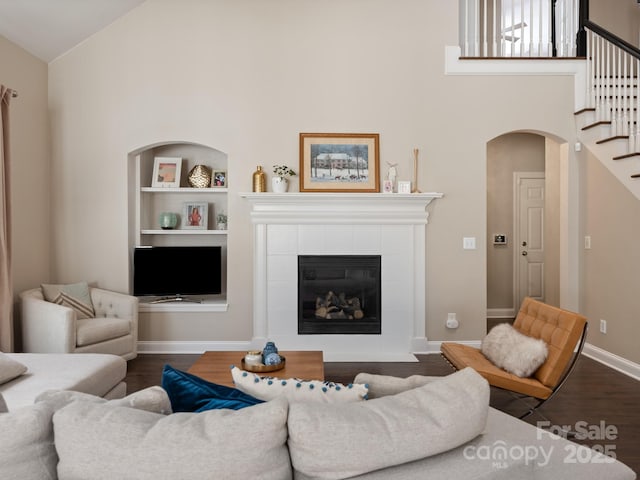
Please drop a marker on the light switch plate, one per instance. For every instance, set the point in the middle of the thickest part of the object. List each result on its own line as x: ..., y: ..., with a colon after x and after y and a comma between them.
x: 469, y: 243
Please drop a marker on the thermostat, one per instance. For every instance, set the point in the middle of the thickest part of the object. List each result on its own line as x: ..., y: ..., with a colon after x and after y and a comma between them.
x: 499, y: 239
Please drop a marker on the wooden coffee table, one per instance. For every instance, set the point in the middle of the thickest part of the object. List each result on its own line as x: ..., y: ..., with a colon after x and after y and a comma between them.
x: 216, y: 366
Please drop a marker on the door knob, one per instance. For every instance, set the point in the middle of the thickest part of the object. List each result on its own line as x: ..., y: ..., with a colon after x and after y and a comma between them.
x: 524, y: 244
x: 524, y: 254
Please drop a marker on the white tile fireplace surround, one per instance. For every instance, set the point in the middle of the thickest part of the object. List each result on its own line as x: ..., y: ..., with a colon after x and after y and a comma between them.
x: 390, y: 225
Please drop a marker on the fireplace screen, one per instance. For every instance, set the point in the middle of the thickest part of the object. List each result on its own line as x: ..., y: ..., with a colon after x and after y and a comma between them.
x: 339, y: 294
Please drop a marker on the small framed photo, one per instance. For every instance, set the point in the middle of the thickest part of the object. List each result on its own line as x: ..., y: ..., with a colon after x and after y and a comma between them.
x: 195, y: 215
x: 166, y: 172
x: 404, y: 186
x: 339, y: 162
x: 219, y: 178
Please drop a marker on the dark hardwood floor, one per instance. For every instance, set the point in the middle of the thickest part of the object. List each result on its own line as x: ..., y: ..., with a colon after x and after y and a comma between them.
x: 594, y: 395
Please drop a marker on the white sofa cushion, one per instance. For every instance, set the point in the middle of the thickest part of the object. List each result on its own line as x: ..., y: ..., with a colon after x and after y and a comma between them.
x: 10, y: 368
x: 393, y: 430
x: 94, y: 330
x: 247, y: 443
x: 514, y: 351
x: 92, y: 373
x: 27, y: 448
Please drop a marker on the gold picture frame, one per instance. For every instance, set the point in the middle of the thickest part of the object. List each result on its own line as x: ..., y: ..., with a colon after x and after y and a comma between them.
x: 340, y: 162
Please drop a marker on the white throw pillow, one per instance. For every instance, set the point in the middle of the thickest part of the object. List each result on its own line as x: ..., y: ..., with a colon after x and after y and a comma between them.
x: 513, y: 351
x: 294, y: 389
x: 9, y: 368
x: 350, y: 439
x: 103, y: 442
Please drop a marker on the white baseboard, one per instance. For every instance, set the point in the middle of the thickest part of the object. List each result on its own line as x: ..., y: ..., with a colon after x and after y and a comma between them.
x: 190, y: 347
x: 612, y: 360
x: 501, y: 313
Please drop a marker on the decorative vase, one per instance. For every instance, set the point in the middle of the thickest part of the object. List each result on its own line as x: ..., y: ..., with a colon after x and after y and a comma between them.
x: 279, y: 184
x: 168, y: 220
x: 222, y: 225
x: 268, y: 349
x: 259, y: 180
x: 200, y: 176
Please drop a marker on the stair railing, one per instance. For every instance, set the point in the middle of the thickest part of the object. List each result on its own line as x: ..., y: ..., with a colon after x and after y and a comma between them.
x: 519, y: 28
x: 613, y: 66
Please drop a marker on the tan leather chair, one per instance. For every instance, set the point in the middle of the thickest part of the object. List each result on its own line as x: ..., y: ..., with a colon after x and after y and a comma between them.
x: 51, y: 328
x: 560, y: 329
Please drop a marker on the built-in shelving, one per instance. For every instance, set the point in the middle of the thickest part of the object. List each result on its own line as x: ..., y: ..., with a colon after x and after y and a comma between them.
x: 147, y: 202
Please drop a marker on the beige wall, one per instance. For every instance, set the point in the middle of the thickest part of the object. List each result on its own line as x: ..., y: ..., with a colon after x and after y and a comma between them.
x: 621, y: 17
x: 246, y: 78
x: 611, y: 217
x: 30, y: 174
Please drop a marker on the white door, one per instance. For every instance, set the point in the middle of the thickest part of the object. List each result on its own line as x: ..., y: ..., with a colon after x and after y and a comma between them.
x: 529, y: 229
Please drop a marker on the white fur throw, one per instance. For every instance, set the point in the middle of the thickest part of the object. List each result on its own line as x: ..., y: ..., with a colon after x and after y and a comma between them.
x: 513, y: 351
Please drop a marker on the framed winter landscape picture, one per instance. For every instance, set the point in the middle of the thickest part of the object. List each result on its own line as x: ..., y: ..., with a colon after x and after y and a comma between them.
x: 339, y: 162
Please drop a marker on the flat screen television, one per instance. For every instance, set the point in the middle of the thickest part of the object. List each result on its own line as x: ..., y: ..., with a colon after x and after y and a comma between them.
x: 177, y: 272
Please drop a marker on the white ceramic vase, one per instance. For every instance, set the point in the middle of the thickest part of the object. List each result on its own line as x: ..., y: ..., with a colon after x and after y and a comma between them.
x: 279, y: 184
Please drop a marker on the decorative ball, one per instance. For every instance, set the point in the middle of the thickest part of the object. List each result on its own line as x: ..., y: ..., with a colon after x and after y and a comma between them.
x: 272, y: 359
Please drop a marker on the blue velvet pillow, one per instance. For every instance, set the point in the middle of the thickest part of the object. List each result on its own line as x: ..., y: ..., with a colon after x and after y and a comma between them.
x: 189, y: 393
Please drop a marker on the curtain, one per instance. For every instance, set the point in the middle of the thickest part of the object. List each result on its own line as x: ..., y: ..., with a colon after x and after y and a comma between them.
x: 6, y: 290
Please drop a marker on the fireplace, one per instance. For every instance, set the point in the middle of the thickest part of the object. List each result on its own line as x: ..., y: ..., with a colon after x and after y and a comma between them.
x: 391, y: 227
x: 339, y: 294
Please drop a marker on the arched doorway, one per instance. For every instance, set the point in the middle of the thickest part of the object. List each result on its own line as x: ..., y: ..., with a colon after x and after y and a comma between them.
x: 523, y: 222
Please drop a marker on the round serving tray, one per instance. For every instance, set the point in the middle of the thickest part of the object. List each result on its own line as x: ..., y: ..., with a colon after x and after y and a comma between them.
x: 264, y: 368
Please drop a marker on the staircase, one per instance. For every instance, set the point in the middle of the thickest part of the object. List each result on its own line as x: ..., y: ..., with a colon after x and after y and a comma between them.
x: 610, y: 124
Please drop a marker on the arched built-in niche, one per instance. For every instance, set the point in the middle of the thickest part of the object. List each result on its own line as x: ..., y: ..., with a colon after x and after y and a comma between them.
x: 147, y: 201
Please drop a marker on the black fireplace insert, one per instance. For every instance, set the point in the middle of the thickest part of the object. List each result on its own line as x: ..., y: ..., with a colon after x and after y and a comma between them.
x: 339, y: 294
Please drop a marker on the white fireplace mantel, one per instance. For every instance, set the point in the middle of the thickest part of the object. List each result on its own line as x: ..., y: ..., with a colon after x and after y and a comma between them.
x: 390, y: 225
x: 360, y: 208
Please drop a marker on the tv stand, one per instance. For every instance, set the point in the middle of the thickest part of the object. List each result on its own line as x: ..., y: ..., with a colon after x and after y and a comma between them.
x: 175, y: 298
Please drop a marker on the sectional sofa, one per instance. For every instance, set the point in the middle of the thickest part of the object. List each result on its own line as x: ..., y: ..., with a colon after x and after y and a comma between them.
x: 409, y: 429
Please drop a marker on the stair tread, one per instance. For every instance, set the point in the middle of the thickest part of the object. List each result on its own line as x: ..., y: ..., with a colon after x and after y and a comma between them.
x: 626, y: 155
x: 609, y: 139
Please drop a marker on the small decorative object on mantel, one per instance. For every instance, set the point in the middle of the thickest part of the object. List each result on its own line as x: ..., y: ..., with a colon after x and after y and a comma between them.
x: 200, y: 176
x: 415, y: 171
x: 404, y: 186
x: 389, y: 183
x: 259, y: 180
x: 280, y: 183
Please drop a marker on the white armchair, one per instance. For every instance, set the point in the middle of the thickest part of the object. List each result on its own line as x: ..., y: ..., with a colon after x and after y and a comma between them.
x: 51, y: 328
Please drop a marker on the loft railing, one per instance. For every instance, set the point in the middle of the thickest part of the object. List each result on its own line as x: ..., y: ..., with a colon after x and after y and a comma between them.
x: 520, y: 28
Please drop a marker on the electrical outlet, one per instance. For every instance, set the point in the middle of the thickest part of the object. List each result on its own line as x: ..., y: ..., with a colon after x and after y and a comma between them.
x: 452, y: 321
x: 603, y: 326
